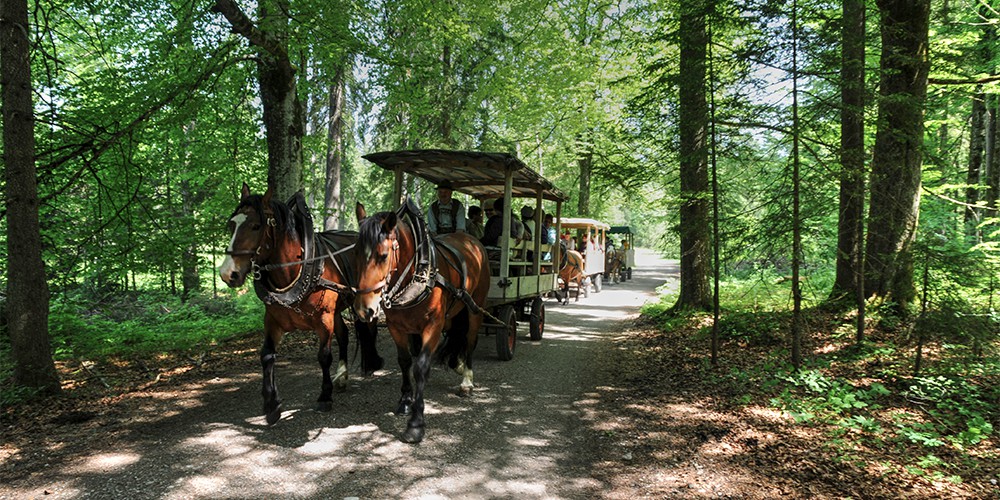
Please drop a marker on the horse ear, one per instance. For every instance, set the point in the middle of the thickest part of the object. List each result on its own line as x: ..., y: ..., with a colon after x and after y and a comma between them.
x: 359, y: 212
x: 267, y: 197
x: 245, y: 192
x: 389, y: 223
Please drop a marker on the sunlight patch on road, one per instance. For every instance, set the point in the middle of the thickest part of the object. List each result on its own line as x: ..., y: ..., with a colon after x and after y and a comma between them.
x: 105, y: 463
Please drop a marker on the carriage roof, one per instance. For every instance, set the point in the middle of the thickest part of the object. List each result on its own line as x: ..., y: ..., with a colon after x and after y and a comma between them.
x: 582, y: 223
x: 478, y: 174
x: 620, y: 230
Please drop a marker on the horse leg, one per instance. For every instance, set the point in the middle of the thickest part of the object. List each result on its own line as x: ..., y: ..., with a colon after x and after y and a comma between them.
x: 415, y: 426
x: 406, y: 390
x: 268, y: 355
x: 340, y: 332
x: 458, y: 342
x: 325, y: 358
x: 465, y: 362
x: 366, y: 334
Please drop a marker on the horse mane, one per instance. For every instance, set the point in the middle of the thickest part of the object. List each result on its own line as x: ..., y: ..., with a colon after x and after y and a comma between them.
x: 370, y: 233
x: 282, y: 214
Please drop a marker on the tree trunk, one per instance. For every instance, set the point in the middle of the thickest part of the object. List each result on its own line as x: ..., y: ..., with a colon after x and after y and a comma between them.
x: 852, y: 151
x: 190, y: 278
x: 585, y: 160
x: 27, y: 289
x: 447, y: 90
x: 283, y: 115
x: 335, y: 152
x: 695, y: 223
x: 992, y: 158
x: 977, y: 144
x: 896, y: 164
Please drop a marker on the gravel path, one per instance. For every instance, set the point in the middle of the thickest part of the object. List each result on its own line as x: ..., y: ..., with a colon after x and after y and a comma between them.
x: 526, y: 432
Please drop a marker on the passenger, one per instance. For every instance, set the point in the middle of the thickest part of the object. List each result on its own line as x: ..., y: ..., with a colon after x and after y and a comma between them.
x: 548, y: 231
x: 528, y: 219
x: 446, y: 215
x: 494, y: 226
x: 474, y: 221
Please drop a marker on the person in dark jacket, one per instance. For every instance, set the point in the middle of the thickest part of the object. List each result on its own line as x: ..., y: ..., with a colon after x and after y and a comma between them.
x: 494, y: 226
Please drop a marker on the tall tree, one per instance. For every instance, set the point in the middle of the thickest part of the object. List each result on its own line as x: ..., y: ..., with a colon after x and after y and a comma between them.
x: 852, y: 150
x: 977, y: 146
x: 283, y: 115
x: 896, y: 164
x: 27, y: 288
x: 335, y: 150
x: 695, y: 223
x: 585, y: 160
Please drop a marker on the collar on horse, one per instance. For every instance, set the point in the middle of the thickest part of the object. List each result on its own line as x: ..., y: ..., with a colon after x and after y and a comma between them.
x: 426, y: 275
x: 310, y: 275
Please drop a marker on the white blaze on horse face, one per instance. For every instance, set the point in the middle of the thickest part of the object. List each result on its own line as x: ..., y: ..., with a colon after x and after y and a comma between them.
x: 228, y: 266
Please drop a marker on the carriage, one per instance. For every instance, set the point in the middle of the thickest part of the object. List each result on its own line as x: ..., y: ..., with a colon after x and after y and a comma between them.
x: 522, y: 272
x: 589, y: 237
x: 627, y: 246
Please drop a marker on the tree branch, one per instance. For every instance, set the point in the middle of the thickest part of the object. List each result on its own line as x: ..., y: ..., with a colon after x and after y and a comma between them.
x: 242, y: 25
x: 957, y: 81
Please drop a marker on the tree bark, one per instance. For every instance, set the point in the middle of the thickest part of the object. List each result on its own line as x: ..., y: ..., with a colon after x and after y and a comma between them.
x: 992, y: 158
x: 852, y: 151
x: 695, y: 223
x: 27, y: 288
x: 585, y: 160
x: 896, y: 164
x: 977, y: 145
x: 335, y: 152
x: 283, y: 115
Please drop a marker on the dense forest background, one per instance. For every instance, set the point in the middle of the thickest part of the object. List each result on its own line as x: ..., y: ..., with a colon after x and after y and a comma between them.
x: 848, y: 151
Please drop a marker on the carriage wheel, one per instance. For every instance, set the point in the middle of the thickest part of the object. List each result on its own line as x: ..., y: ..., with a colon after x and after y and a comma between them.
x: 536, y: 322
x: 506, y: 333
x: 597, y: 283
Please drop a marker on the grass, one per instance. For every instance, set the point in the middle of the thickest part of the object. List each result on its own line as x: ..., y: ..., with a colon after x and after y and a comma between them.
x: 136, y: 325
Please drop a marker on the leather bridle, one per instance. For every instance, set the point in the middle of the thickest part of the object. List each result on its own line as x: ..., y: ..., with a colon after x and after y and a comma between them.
x: 262, y: 245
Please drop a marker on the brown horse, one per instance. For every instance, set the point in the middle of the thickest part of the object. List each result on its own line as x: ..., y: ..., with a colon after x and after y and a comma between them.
x: 571, y: 271
x: 432, y: 292
x: 613, y: 265
x: 304, y: 283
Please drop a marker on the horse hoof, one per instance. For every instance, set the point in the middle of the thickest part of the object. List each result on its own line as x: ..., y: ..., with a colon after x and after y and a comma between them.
x: 413, y: 435
x: 273, y: 416
x: 324, y: 406
x: 340, y: 385
x: 465, y: 391
x: 403, y: 409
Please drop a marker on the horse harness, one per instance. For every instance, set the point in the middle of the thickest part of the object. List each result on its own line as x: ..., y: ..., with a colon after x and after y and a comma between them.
x: 426, y: 275
x: 310, y: 277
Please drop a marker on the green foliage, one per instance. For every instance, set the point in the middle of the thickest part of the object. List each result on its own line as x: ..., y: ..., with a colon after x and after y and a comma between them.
x: 144, y: 323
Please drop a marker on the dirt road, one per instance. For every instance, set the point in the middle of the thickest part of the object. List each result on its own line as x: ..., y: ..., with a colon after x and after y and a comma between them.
x: 526, y: 432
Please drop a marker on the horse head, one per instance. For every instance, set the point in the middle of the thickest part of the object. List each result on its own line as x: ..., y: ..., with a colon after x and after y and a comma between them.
x: 253, y: 225
x: 376, y: 255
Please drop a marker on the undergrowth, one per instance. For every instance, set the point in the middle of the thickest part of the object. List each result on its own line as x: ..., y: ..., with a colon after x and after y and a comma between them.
x: 136, y: 324
x: 868, y: 401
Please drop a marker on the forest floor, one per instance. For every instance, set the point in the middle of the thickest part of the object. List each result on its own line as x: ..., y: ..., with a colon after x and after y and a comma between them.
x: 605, y: 406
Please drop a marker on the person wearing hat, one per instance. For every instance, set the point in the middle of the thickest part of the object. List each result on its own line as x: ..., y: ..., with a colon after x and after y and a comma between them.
x: 528, y: 219
x: 446, y: 215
